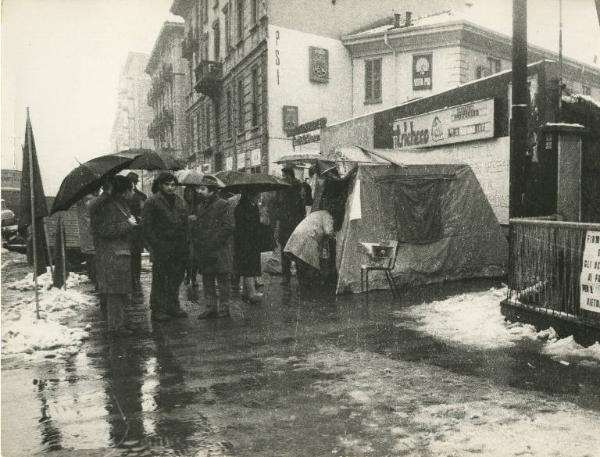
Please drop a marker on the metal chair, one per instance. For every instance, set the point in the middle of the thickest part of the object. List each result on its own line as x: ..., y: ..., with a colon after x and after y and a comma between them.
x: 381, y: 257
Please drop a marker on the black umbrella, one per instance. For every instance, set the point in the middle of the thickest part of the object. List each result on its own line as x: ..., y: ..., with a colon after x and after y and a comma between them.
x: 147, y: 159
x: 237, y: 181
x: 88, y: 177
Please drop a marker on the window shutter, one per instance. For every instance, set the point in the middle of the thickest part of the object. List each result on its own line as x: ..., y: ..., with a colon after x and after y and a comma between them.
x: 377, y: 79
x: 368, y: 79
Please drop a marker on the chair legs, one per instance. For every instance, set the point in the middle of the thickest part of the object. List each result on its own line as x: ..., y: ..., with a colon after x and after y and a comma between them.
x: 364, y: 283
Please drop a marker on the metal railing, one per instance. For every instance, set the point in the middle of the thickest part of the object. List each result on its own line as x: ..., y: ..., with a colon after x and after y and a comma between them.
x: 545, y: 263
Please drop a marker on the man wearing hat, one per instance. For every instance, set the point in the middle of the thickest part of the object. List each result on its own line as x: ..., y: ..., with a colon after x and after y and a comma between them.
x: 136, y: 201
x: 212, y: 231
x: 290, y: 211
x: 164, y: 218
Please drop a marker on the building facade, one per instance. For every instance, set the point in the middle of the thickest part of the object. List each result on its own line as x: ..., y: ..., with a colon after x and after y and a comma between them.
x: 130, y: 127
x: 261, y: 68
x: 168, y: 91
x: 415, y: 57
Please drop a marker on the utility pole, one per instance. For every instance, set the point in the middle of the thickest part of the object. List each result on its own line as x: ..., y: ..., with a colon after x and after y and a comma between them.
x: 519, y: 110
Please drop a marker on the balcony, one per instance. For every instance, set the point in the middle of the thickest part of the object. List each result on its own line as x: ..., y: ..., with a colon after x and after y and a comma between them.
x: 189, y: 45
x: 208, y: 78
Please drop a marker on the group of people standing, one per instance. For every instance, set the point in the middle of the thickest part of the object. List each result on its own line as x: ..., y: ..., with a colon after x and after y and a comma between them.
x: 201, y: 233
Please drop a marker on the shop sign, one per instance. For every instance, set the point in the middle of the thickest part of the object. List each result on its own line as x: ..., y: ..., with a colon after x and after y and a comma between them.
x: 422, y: 72
x: 241, y: 160
x: 318, y: 59
x: 589, y: 297
x: 255, y: 157
x: 468, y: 122
x: 290, y: 118
x: 228, y: 163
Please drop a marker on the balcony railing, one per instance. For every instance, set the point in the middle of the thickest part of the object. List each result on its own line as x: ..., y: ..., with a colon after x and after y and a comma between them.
x: 189, y: 45
x: 209, y: 78
x: 163, y: 120
x: 545, y: 264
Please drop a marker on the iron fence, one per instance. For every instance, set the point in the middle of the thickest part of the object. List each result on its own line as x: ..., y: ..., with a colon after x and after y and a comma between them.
x: 545, y: 263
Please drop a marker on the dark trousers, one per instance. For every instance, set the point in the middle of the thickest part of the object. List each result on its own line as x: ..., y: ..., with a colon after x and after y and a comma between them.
x: 167, y: 276
x: 136, y: 268
x: 286, y: 261
x: 210, y: 282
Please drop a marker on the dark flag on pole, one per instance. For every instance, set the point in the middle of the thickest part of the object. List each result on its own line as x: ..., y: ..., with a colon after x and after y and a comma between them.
x: 60, y: 273
x: 33, y: 201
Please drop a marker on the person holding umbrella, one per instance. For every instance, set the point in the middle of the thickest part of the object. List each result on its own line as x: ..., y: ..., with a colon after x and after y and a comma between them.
x: 112, y: 225
x: 213, y: 239
x: 290, y: 212
x: 246, y: 253
x: 191, y: 267
x: 137, y: 246
x: 164, y: 219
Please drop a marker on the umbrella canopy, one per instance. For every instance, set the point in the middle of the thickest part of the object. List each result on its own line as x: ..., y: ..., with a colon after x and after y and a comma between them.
x: 88, y: 177
x: 237, y: 181
x: 147, y: 159
x: 189, y: 177
x: 299, y: 159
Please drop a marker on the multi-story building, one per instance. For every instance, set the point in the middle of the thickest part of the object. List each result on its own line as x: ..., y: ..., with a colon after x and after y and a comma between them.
x: 261, y: 68
x: 168, y: 92
x: 412, y: 57
x: 130, y: 128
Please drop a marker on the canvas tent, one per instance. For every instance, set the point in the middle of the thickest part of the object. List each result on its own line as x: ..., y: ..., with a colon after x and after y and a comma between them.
x: 446, y: 227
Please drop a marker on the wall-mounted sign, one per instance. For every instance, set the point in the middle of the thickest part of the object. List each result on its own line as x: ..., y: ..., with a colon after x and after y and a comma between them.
x: 241, y: 160
x: 589, y: 297
x: 317, y: 124
x: 421, y: 73
x: 318, y: 64
x: 255, y: 157
x: 228, y: 163
x: 290, y: 118
x: 468, y: 122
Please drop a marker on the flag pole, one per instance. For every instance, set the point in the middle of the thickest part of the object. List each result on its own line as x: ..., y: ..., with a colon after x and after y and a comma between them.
x: 32, y: 200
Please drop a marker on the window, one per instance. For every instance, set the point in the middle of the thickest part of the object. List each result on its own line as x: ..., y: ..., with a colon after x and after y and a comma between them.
x: 254, y: 96
x: 240, y: 100
x: 229, y: 109
x: 204, y: 11
x: 586, y: 90
x: 207, y: 122
x: 373, y: 81
x: 227, y: 21
x: 218, y: 161
x: 494, y: 65
x: 205, y: 47
x: 240, y: 19
x: 217, y: 40
x: 254, y: 11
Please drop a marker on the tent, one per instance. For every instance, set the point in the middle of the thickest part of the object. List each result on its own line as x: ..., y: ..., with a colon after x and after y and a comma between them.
x: 443, y: 222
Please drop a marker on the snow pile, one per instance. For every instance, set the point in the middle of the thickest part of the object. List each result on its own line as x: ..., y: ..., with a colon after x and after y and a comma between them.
x: 45, y: 281
x: 22, y: 332
x: 475, y: 319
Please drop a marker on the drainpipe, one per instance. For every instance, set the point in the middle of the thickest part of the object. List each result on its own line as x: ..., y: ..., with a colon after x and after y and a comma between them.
x: 391, y: 48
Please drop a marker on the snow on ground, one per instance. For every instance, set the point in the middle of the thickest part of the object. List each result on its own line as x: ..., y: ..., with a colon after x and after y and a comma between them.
x: 412, y: 408
x: 45, y: 281
x: 51, y: 335
x: 474, y: 319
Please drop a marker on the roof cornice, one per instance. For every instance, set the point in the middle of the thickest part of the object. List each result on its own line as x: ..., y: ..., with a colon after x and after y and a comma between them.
x: 167, y: 30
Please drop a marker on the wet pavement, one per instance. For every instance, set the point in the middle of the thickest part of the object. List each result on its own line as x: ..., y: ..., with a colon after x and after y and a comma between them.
x: 298, y: 375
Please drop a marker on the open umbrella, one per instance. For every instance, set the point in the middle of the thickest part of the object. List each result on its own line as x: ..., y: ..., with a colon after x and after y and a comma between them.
x: 299, y: 159
x: 88, y: 177
x: 236, y: 181
x: 147, y: 159
x: 189, y: 177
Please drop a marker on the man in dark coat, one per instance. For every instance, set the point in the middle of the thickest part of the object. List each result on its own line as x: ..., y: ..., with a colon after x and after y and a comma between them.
x: 213, y: 240
x: 290, y: 212
x: 246, y: 244
x: 136, y: 201
x: 164, y: 218
x: 112, y: 224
